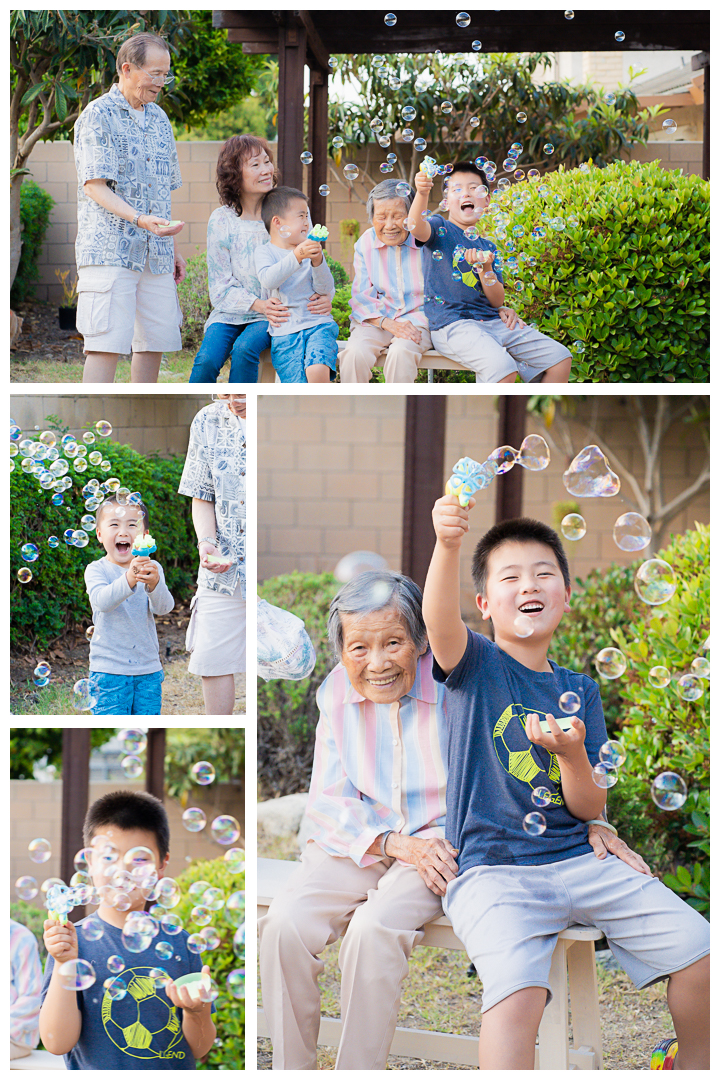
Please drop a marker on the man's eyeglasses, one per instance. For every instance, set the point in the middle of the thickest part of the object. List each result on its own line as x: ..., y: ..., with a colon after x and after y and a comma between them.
x: 160, y: 77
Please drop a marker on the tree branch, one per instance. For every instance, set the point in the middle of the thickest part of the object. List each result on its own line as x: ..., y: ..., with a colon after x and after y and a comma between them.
x: 676, y: 505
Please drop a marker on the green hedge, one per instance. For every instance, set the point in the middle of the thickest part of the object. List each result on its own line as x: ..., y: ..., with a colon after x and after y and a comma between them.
x: 229, y: 1049
x: 56, y: 600
x: 35, y: 208
x: 194, y: 301
x: 287, y: 711
x: 629, y: 280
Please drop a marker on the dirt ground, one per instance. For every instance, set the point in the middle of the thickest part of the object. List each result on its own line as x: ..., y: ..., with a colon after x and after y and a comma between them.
x: 68, y: 659
x: 438, y: 995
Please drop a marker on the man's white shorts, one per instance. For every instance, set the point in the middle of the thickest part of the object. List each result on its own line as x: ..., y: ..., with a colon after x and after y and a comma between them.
x: 216, y: 633
x: 122, y: 311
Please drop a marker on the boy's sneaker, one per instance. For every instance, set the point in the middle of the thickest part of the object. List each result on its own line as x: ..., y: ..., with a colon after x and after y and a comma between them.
x: 663, y: 1056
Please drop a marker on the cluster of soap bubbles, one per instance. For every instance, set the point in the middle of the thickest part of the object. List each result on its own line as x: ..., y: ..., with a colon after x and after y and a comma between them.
x: 134, y: 743
x: 104, y: 876
x: 470, y: 476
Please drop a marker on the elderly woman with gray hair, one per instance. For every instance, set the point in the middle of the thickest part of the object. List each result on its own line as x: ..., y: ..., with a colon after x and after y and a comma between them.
x: 377, y: 864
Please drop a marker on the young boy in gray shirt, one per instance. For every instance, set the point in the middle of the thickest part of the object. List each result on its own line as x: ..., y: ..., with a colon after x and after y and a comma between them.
x: 292, y: 267
x: 126, y: 589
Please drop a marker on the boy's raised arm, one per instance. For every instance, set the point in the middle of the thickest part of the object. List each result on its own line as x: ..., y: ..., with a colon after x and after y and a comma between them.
x: 441, y: 598
x: 420, y: 228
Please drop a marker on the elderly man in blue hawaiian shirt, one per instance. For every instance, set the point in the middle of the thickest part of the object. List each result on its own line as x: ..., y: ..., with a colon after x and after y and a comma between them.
x: 128, y: 264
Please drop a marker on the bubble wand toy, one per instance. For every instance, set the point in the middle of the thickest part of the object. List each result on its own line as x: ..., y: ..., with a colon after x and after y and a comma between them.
x: 429, y: 166
x: 319, y: 233
x: 469, y: 476
x: 144, y: 545
x: 59, y: 902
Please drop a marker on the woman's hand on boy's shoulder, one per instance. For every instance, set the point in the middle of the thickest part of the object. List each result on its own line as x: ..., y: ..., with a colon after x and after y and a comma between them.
x: 60, y: 940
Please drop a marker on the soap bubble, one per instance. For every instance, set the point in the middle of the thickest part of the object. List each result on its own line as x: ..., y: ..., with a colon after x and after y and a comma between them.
x: 197, y: 889
x: 523, y: 626
x: 30, y: 552
x: 284, y: 232
x: 659, y: 677
x: 116, y: 964
x: 488, y: 278
x: 196, y: 944
x: 420, y: 144
x: 235, y: 859
x: 115, y: 988
x: 332, y: 62
x: 701, y: 667
x: 92, y: 928
x: 612, y: 753
x: 390, y: 19
x: 210, y: 936
x: 136, y: 938
x: 392, y: 158
x: 26, y: 887
x: 462, y: 18
x: 604, y: 775
x: 88, y: 438
x: 534, y: 453
x: 503, y: 458
x: 306, y: 157
x: 105, y: 465
x: 619, y: 35
x: 80, y: 538
x: 24, y: 575
x: 338, y: 141
x: 609, y: 99
x: 569, y: 702
x: 88, y: 521
x: 163, y: 950
x: 690, y: 687
x: 521, y: 117
x: 194, y: 819
x: 39, y: 850
x: 534, y: 823
x: 324, y: 190
x: 446, y: 107
x: 590, y: 475
x: 573, y: 527
x: 670, y: 126
x: 225, y: 829
x: 408, y: 113
x: 235, y: 908
x: 203, y: 773
x: 655, y: 582
x: 139, y: 857
x: 236, y: 983
x: 132, y: 766
x: 133, y: 740
x: 632, y: 532
x: 437, y: 256
x: 103, y: 428
x: 610, y: 663
x: 76, y: 975
x: 385, y: 167
x: 548, y: 148
x: 171, y: 924
x: 541, y: 796
x: 403, y: 189
x: 84, y: 695
x: 351, y: 172
x: 474, y: 122
x: 668, y: 791
x: 89, y: 632
x: 569, y: 14
x: 477, y: 45
x: 214, y: 899
x: 41, y: 674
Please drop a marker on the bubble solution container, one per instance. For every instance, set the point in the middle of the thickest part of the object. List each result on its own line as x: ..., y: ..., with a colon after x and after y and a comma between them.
x: 563, y: 722
x: 194, y: 982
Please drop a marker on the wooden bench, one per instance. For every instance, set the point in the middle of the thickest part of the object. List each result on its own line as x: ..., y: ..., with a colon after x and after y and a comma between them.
x: 39, y: 1059
x: 267, y: 373
x: 573, y: 961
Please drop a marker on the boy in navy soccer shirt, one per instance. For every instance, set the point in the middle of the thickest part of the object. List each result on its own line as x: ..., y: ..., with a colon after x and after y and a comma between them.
x: 464, y: 289
x: 516, y: 890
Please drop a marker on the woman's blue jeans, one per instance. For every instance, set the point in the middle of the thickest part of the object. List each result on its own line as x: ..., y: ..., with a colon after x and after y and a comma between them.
x: 245, y: 342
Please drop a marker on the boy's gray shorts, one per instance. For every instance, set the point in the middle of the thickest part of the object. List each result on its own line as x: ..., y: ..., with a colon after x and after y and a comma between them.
x: 493, y: 351
x: 508, y: 919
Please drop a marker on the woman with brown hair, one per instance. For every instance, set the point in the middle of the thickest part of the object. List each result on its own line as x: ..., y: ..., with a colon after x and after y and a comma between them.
x: 239, y: 320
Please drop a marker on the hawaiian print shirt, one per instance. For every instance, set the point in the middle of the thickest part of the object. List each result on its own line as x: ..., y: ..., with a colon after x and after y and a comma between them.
x: 140, y: 164
x: 215, y: 471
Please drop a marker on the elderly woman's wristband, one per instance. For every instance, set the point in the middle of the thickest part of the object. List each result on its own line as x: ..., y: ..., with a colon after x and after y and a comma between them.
x: 605, y: 824
x: 383, y: 843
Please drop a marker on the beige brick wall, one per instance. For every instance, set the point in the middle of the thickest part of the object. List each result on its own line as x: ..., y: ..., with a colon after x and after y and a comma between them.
x: 150, y: 423
x: 330, y: 479
x: 35, y: 810
x: 52, y: 166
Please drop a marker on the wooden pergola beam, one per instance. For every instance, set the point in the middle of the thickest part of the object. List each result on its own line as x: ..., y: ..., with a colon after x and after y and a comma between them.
x: 512, y: 414
x: 75, y: 797
x: 424, y: 480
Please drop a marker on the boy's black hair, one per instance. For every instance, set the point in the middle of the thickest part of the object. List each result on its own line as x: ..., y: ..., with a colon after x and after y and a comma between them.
x: 139, y: 507
x: 521, y: 530
x: 277, y: 201
x: 129, y: 810
x: 467, y: 167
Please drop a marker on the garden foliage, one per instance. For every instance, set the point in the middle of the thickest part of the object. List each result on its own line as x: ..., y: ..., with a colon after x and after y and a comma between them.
x: 626, y: 275
x: 287, y: 711
x: 55, y: 601
x: 194, y: 300
x: 35, y: 207
x: 229, y: 1049
x: 30, y: 745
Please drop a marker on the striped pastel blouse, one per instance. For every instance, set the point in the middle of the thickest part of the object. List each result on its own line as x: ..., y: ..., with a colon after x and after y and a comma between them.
x: 388, y: 281
x: 25, y: 986
x: 378, y: 767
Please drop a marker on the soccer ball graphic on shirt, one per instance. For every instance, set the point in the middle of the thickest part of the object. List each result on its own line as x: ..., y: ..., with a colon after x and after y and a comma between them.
x: 521, y: 758
x: 144, y: 1023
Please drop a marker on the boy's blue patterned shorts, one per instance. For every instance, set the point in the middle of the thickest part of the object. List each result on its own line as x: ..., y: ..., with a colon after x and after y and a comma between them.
x: 292, y: 353
x: 127, y: 695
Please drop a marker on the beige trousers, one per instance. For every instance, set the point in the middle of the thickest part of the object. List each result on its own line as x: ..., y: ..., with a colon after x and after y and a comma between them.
x: 382, y: 910
x: 366, y: 343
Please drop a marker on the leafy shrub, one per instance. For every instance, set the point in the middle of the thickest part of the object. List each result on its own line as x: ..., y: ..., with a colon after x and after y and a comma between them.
x: 229, y: 1051
x: 629, y: 280
x: 341, y: 311
x: 35, y: 207
x: 194, y: 300
x: 29, y: 745
x: 287, y: 711
x: 225, y: 747
x: 56, y: 600
x: 33, y: 918
x: 338, y: 271
x: 661, y: 731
